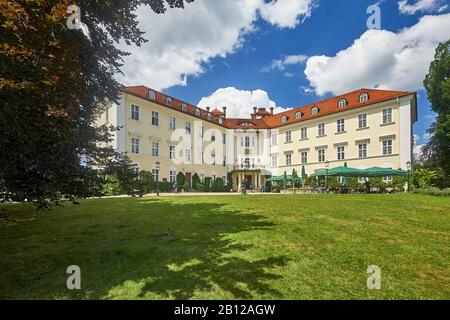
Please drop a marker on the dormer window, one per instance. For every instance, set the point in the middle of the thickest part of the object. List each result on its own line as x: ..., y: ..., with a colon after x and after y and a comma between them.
x: 197, y: 112
x: 283, y: 119
x: 169, y: 101
x: 298, y: 115
x: 184, y: 107
x: 220, y: 120
x: 314, y: 110
x: 364, y: 97
x: 342, y: 103
x: 209, y: 116
x: 151, y: 95
x: 247, y: 124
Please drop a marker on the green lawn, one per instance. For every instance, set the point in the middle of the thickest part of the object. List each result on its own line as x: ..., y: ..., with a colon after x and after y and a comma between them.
x: 229, y: 247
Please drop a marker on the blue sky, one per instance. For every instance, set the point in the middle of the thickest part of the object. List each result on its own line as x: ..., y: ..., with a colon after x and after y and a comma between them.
x: 246, y: 44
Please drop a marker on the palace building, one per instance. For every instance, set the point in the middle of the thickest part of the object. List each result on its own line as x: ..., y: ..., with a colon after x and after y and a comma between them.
x: 164, y: 135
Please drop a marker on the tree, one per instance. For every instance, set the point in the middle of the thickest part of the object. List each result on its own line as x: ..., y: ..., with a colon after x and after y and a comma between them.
x: 53, y: 82
x: 181, y: 179
x: 437, y: 84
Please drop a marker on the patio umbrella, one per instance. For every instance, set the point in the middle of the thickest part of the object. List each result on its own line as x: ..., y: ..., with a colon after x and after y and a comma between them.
x: 303, y: 176
x: 294, y: 176
x: 345, y: 179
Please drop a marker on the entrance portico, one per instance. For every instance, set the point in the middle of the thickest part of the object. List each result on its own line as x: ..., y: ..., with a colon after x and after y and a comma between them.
x: 250, y: 179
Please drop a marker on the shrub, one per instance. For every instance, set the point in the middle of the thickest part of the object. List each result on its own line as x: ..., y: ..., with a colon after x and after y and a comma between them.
x: 186, y: 186
x: 218, y: 185
x: 181, y: 179
x: 433, y: 191
x: 195, y: 181
x: 424, y: 178
x: 207, y: 184
x: 200, y: 187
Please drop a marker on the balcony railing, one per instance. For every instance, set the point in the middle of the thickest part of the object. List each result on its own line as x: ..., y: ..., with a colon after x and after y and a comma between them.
x: 248, y: 167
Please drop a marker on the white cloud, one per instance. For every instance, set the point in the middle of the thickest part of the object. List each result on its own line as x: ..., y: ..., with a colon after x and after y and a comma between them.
x: 381, y: 58
x: 239, y: 103
x: 421, y: 5
x: 416, y: 138
x: 182, y: 41
x: 280, y: 64
x: 286, y: 13
x: 417, y: 150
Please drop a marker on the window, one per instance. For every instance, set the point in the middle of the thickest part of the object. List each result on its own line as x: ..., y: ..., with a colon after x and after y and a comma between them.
x: 387, y: 147
x: 387, y: 178
x: 201, y: 132
x: 172, y: 152
x: 151, y: 95
x: 247, y: 142
x: 155, y: 118
x: 168, y: 101
x: 340, y: 153
x: 303, y: 133
x: 172, y: 176
x: 342, y: 103
x: 274, y: 139
x: 362, y: 120
x: 288, y: 136
x: 155, y: 174
x: 224, y: 138
x: 283, y: 119
x: 321, y: 155
x: 184, y: 107
x: 288, y: 159
x: 340, y: 125
x: 197, y: 112
x: 362, y: 150
x: 304, y: 157
x: 387, y: 115
x: 188, y: 155
x: 298, y: 115
x: 135, y: 112
x: 209, y: 116
x: 220, y: 120
x: 172, y: 123
x: 188, y: 127
x: 364, y: 97
x: 213, y: 136
x: 314, y: 110
x: 274, y: 160
x: 135, y: 145
x: 321, y: 129
x: 155, y: 149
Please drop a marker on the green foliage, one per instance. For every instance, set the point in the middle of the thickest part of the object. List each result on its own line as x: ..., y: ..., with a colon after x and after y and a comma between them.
x: 433, y: 191
x: 181, y: 179
x: 208, y: 184
x: 200, y: 187
x: 186, y: 186
x: 424, y: 178
x: 218, y: 185
x: 195, y: 180
x: 437, y: 84
x: 53, y: 80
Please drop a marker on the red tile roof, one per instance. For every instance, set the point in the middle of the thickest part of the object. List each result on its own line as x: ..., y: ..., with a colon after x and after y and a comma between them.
x: 326, y: 107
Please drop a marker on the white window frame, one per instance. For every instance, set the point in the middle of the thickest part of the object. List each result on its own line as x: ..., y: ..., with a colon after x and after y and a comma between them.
x: 387, y: 146
x: 188, y: 127
x: 321, y: 129
x: 274, y: 139
x: 304, y: 157
x: 135, y: 145
x: 288, y: 157
x: 340, y: 152
x: 187, y: 155
x: 135, y: 112
x: 288, y: 136
x: 303, y: 133
x: 172, y: 176
x: 155, y: 118
x: 340, y: 125
x: 172, y: 152
x: 274, y: 161
x: 386, y: 115
x: 342, y: 103
x: 321, y: 155
x: 155, y: 149
x: 364, y: 97
x: 172, y: 123
x: 362, y: 120
x: 362, y: 150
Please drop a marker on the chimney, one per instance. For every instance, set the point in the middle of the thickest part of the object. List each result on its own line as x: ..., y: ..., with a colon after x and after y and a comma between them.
x: 271, y: 110
x: 254, y: 112
x: 207, y: 109
x: 224, y: 109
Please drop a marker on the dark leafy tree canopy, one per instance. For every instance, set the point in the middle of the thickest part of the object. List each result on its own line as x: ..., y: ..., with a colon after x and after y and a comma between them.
x: 437, y: 84
x: 52, y: 82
